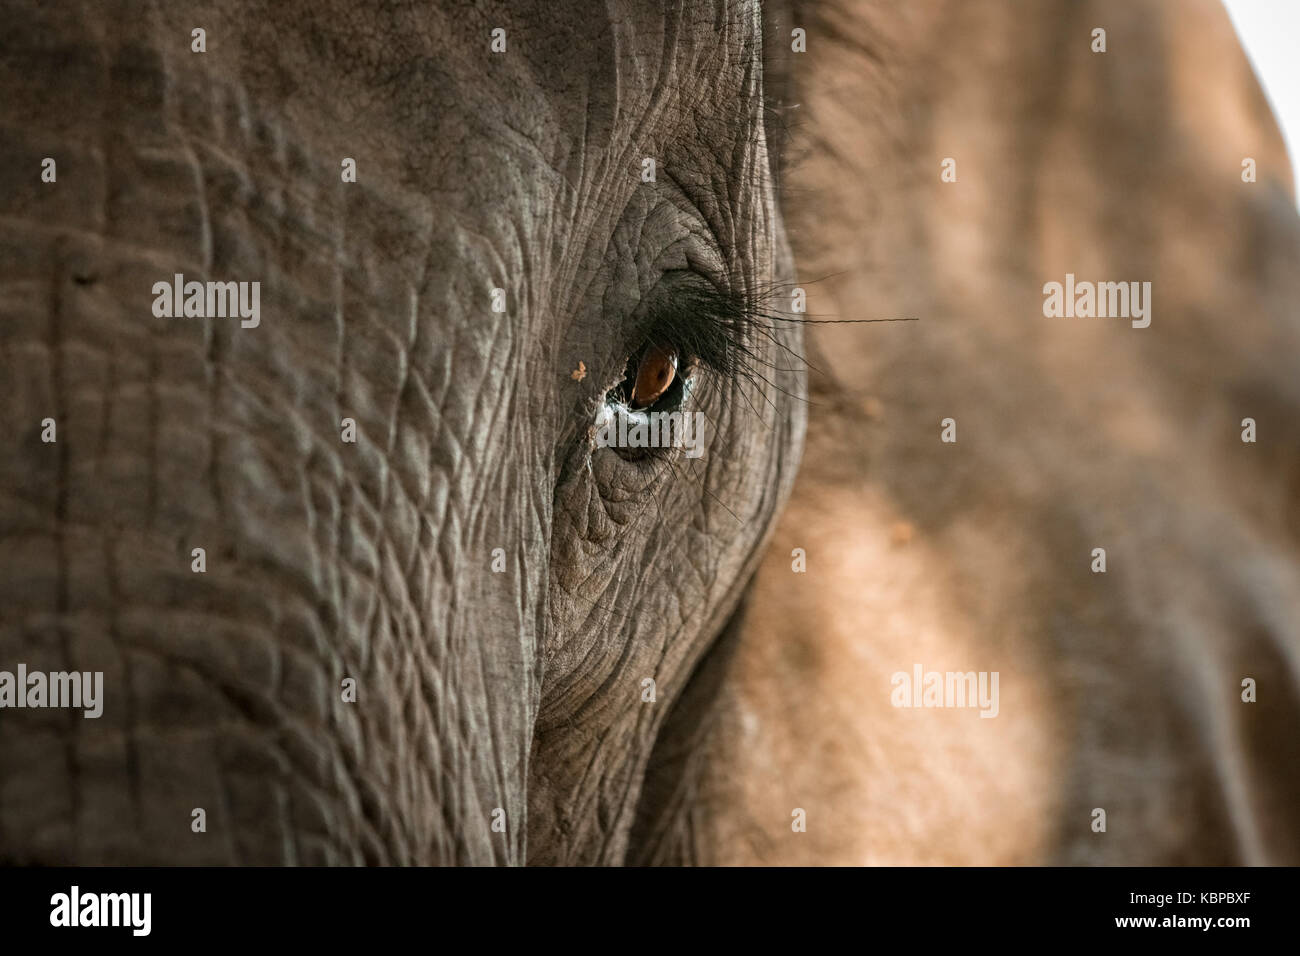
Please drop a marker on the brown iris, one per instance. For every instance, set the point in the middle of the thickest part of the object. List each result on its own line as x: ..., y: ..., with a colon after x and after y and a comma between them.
x: 654, y: 374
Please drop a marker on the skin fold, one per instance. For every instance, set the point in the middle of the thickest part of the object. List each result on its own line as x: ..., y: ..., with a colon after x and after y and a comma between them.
x: 502, y: 716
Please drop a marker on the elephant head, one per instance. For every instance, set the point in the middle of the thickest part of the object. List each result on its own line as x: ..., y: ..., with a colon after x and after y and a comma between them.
x: 363, y: 582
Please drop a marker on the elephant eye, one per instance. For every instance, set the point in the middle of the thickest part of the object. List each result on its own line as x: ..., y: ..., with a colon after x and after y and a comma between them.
x: 654, y: 374
x: 688, y: 323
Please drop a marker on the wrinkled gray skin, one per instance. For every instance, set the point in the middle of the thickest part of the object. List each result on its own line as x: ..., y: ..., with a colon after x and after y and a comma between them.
x: 325, y: 560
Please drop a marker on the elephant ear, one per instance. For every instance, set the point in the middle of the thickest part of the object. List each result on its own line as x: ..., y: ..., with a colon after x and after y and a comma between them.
x: 1121, y: 689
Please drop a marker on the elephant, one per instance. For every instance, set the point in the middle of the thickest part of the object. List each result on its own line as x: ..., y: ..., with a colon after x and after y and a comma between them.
x: 361, y: 587
x: 325, y: 329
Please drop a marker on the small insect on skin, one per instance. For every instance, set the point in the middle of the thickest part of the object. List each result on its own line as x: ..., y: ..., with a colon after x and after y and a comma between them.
x: 656, y: 372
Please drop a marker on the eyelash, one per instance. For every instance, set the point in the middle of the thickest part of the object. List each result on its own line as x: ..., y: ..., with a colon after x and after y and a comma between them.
x: 721, y: 332
x: 716, y: 330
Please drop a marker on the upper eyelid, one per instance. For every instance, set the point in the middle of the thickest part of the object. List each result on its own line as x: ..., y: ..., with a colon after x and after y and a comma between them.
x: 663, y: 312
x: 708, y: 327
x: 705, y: 252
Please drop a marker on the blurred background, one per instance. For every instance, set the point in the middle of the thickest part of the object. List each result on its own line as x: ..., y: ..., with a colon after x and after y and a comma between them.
x: 1120, y: 690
